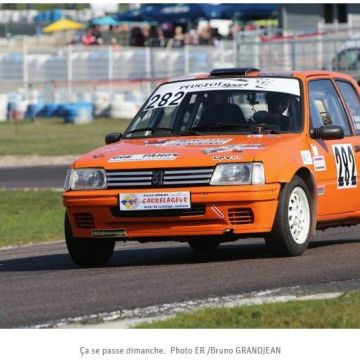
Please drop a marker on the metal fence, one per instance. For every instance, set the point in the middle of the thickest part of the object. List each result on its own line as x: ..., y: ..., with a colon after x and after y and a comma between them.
x: 73, y: 69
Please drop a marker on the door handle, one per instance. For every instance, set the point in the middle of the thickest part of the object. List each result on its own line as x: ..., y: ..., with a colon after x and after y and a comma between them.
x: 357, y: 148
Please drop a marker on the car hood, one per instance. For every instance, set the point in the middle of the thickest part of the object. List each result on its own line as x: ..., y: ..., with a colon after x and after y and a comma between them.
x: 184, y: 151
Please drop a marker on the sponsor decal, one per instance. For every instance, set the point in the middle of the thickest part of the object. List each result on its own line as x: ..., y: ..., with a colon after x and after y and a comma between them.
x: 345, y: 166
x: 144, y: 157
x: 96, y: 156
x: 227, y: 158
x: 319, y: 163
x: 129, y: 202
x: 187, y: 142
x: 108, y: 233
x: 155, y: 201
x: 235, y: 148
x: 321, y: 190
x: 314, y: 150
x: 306, y: 157
x: 172, y: 94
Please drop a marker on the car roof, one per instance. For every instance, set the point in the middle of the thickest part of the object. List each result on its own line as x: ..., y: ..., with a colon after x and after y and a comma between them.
x: 229, y: 73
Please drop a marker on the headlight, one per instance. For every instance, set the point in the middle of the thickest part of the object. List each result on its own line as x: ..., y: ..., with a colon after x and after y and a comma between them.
x: 85, y: 179
x: 238, y: 174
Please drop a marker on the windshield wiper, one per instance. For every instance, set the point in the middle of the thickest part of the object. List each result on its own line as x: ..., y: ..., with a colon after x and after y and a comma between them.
x: 174, y: 131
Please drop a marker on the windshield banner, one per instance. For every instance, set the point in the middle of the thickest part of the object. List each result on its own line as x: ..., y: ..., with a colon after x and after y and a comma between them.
x: 171, y: 94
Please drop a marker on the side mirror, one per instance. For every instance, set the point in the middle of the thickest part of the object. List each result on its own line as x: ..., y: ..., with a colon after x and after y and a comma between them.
x: 112, y: 138
x: 328, y: 132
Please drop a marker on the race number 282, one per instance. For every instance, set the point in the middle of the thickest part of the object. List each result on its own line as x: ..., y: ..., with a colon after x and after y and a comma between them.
x: 345, y: 166
x: 167, y: 99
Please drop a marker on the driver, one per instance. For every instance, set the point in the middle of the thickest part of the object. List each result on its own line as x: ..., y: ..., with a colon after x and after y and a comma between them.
x: 277, y: 103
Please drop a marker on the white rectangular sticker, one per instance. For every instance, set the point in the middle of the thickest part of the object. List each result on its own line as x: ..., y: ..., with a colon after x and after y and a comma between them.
x: 155, y: 201
x: 144, y: 157
x: 306, y: 157
x: 172, y: 94
x: 319, y: 163
x: 346, y: 169
x: 314, y: 150
x: 235, y: 148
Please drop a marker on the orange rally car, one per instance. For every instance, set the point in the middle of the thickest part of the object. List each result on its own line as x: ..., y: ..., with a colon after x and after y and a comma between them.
x: 209, y: 159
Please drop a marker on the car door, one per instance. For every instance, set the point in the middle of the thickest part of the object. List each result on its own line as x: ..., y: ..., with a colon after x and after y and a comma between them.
x: 334, y: 162
x: 349, y: 92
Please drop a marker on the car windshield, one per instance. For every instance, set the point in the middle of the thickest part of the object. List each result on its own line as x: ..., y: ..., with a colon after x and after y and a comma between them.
x: 236, y: 106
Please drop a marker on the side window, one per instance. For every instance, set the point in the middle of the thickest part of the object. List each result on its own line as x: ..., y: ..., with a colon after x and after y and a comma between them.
x: 351, y: 98
x: 347, y: 60
x: 325, y: 106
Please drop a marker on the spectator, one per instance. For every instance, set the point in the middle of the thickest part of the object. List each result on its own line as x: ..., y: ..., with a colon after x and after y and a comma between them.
x: 155, y: 38
x: 168, y: 31
x: 108, y: 36
x: 121, y: 35
x: 179, y: 39
x: 205, y: 36
x: 137, y: 37
x: 88, y: 38
x: 193, y: 36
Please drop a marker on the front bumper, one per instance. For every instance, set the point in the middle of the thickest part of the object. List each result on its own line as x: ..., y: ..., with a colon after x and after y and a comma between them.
x: 236, y: 209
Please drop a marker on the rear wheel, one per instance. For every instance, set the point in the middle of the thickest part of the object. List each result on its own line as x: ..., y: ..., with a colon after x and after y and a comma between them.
x: 204, y: 245
x: 88, y: 252
x: 290, y: 235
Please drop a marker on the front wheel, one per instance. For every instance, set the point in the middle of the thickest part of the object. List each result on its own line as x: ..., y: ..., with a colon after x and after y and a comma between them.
x: 290, y: 235
x: 88, y: 252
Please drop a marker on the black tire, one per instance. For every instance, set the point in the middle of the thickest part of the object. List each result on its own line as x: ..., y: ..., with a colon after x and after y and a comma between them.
x: 281, y: 240
x: 204, y: 245
x: 88, y: 252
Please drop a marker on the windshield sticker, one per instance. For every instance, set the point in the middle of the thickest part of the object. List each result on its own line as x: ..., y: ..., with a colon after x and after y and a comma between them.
x: 356, y: 118
x: 171, y: 94
x: 306, y: 157
x: 187, y: 142
x: 144, y: 157
x: 227, y: 158
x: 235, y: 148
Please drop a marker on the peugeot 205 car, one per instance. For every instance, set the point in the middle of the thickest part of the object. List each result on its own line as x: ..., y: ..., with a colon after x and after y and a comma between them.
x: 214, y: 158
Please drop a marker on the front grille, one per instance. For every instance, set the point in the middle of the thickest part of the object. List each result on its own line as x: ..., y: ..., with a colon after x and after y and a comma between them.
x: 239, y: 216
x: 195, y: 210
x: 84, y: 220
x: 158, y: 178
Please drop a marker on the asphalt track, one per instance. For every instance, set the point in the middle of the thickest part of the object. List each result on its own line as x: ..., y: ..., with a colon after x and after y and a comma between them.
x: 40, y: 284
x: 33, y: 177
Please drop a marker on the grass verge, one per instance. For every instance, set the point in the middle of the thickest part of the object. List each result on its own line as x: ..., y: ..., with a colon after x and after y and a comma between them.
x: 53, y: 137
x: 341, y: 312
x: 30, y: 217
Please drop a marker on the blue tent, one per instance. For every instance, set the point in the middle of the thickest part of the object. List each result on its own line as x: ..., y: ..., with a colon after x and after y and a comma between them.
x: 132, y: 15
x: 171, y: 13
x: 247, y: 12
x: 105, y: 20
